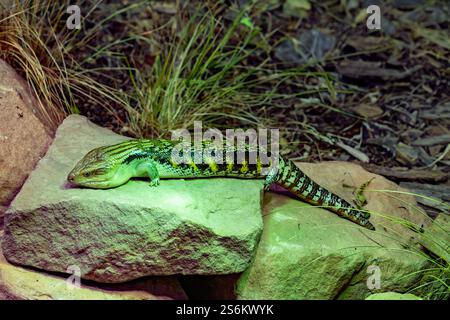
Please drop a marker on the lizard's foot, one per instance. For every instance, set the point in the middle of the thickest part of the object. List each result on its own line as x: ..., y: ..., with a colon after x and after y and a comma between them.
x: 154, y: 183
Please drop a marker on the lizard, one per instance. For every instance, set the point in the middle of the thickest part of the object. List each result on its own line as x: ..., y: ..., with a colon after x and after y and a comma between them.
x: 111, y: 166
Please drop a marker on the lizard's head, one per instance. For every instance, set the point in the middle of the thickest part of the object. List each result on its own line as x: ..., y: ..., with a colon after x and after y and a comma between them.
x: 98, y: 169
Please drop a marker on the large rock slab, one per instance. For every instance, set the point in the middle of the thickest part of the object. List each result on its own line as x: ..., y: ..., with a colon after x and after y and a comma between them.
x: 307, y: 253
x: 18, y: 283
x: 114, y: 235
x: 23, y: 138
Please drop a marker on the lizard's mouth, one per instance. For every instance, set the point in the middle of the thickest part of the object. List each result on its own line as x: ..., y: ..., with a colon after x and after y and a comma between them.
x: 91, y: 184
x: 97, y: 183
x: 75, y: 180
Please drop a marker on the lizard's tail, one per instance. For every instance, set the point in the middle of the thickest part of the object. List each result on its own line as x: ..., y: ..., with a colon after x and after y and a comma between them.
x: 295, y: 181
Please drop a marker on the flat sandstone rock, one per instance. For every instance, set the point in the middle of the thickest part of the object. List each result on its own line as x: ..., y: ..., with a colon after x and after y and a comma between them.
x: 19, y: 283
x: 23, y: 138
x: 202, y: 226
x: 308, y: 253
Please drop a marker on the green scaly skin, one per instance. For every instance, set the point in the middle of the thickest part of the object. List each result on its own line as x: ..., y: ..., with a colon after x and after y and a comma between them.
x: 112, y: 166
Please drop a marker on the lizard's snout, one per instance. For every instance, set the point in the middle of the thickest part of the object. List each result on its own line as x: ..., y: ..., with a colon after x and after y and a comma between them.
x: 71, y: 177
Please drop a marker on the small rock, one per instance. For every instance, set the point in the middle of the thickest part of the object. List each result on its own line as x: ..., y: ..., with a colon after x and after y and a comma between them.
x: 368, y: 111
x: 316, y: 43
x: 309, y: 45
x: 286, y: 52
x: 393, y: 296
x: 406, y: 155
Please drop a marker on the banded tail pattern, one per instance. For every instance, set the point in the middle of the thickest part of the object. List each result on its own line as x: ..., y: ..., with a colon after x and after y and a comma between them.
x: 295, y: 181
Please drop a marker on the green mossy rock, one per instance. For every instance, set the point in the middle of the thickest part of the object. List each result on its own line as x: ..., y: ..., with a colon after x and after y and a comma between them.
x: 203, y: 226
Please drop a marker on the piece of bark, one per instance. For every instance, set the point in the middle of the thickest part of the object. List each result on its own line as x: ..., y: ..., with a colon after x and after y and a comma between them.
x: 438, y: 113
x: 362, y: 69
x: 439, y: 193
x: 361, y: 156
x: 431, y: 141
x: 408, y: 174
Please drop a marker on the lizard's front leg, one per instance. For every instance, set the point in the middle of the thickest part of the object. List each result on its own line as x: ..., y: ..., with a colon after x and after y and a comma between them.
x: 151, y: 171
